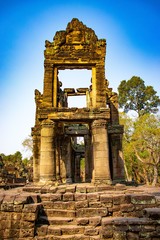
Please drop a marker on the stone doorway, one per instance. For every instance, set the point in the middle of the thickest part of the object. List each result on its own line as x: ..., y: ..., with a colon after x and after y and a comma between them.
x: 79, y: 161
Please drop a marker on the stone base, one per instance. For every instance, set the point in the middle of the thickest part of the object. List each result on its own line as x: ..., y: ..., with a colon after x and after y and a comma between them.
x: 80, y: 211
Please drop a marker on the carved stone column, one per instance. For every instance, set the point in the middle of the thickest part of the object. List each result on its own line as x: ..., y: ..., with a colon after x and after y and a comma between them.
x: 47, y: 158
x: 101, y: 172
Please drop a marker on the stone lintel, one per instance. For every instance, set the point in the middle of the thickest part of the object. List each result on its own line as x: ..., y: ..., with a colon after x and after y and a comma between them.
x: 70, y: 114
x: 77, y: 132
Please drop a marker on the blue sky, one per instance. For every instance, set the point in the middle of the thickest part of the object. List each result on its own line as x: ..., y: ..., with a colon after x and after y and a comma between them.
x: 132, y: 31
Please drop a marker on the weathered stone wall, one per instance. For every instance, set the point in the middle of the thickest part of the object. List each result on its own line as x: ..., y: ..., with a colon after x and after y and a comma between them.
x: 80, y: 212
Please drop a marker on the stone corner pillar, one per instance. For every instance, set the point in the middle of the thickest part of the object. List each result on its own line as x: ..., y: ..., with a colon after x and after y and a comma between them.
x: 47, y: 152
x: 101, y: 166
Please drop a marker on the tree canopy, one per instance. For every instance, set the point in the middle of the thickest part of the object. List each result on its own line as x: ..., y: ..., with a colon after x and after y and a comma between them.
x: 134, y: 95
x: 141, y: 147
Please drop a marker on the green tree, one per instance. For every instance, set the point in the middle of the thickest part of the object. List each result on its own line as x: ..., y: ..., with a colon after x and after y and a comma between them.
x: 141, y: 148
x: 128, y: 123
x: 28, y: 145
x: 146, y: 145
x: 134, y: 95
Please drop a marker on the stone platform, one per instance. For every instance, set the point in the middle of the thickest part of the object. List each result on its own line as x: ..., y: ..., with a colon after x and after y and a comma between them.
x: 80, y: 212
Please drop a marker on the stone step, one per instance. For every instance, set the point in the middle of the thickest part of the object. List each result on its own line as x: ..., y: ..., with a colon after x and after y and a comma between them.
x: 55, y: 220
x: 91, y: 212
x: 60, y: 213
x: 70, y: 205
x: 59, y: 230
x: 66, y: 237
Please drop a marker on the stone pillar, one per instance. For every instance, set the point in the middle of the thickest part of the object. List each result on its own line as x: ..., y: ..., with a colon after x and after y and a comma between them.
x: 55, y: 77
x: 88, y: 158
x: 117, y: 158
x: 36, y: 157
x: 47, y: 158
x: 68, y: 162
x: 58, y: 155
x: 48, y: 85
x: 101, y: 172
x: 77, y: 168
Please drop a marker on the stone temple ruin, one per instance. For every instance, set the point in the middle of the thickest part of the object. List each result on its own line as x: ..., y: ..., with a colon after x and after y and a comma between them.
x: 57, y: 126
x: 46, y: 210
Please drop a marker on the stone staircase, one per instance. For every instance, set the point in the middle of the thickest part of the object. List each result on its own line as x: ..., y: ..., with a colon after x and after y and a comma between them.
x: 88, y: 213
x: 80, y: 212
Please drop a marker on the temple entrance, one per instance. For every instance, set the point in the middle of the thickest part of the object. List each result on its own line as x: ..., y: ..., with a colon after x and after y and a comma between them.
x: 78, y: 159
x: 78, y: 163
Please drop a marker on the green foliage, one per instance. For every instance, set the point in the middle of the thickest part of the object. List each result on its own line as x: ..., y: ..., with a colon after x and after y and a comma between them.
x: 141, y: 147
x: 134, y: 95
x: 28, y: 145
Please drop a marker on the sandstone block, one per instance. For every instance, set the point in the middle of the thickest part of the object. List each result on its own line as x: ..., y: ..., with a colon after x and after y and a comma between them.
x: 56, y: 197
x: 16, y: 216
x: 81, y: 204
x: 68, y: 197
x: 32, y: 208
x: 7, y: 207
x: 153, y: 213
x: 95, y: 221
x: 132, y: 236
x: 17, y: 208
x: 21, y: 199
x: 9, y: 199
x: 54, y: 230
x: 118, y: 199
x: 11, y: 233
x: 119, y: 235
x: 80, y: 196
x: 96, y: 204
x: 29, y: 216
x: 91, y: 231
x: 90, y: 189
x: 92, y: 196
x: 5, y: 224
x: 15, y: 224
x: 72, y: 229
x: 42, y: 230
x: 106, y: 199
x: 26, y: 224
x: 60, y: 213
x: 91, y: 212
x: 71, y: 189
x: 126, y: 207
x: 70, y: 205
x: 106, y: 233
x: 81, y: 189
x: 48, y: 205
x: 143, y: 199
x: 25, y: 233
x: 82, y: 221
x: 46, y: 197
